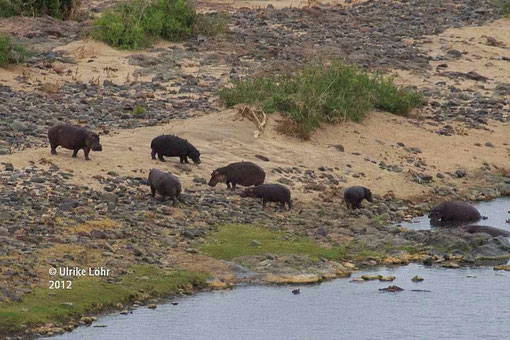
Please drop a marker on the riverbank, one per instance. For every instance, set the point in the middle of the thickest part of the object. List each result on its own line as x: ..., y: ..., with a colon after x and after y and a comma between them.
x: 60, y: 211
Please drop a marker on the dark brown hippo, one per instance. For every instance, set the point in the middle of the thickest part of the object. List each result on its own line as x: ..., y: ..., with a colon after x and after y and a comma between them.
x: 270, y: 193
x: 73, y: 137
x: 354, y: 195
x: 453, y: 212
x: 494, y: 232
x: 165, y: 184
x: 242, y: 173
x: 173, y: 146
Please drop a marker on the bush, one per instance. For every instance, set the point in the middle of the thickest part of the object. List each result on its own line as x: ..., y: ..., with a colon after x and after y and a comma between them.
x: 505, y: 7
x: 10, y: 53
x: 138, y: 23
x: 320, y: 93
x: 62, y: 9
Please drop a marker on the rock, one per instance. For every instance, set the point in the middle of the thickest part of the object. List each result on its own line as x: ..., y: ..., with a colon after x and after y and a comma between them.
x: 451, y: 265
x: 291, y: 279
x: 417, y: 278
x: 255, y: 243
x: 19, y: 126
x: 263, y: 158
x: 489, y: 144
x: 460, y: 173
x: 370, y: 277
x: 387, y: 278
x: 152, y: 306
x: 505, y: 267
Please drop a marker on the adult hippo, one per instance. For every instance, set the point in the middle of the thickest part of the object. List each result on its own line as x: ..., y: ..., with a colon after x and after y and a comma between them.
x: 494, y: 232
x: 453, y: 212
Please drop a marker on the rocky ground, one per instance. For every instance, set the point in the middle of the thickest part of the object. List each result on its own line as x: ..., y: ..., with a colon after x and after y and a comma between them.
x: 53, y: 216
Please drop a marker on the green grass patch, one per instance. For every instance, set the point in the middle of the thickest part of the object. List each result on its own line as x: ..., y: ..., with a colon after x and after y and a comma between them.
x: 91, y: 297
x: 504, y: 7
x: 139, y: 111
x: 234, y: 240
x: 61, y: 9
x: 10, y: 52
x: 135, y: 24
x: 320, y: 93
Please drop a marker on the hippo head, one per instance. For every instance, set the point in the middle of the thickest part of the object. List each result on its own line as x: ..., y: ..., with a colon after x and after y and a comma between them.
x: 93, y: 142
x: 195, y: 156
x: 435, y: 214
x: 368, y: 195
x: 217, y: 177
x: 248, y: 192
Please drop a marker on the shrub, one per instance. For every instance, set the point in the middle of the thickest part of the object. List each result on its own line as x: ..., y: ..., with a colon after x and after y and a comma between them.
x: 10, y: 53
x: 319, y: 93
x: 504, y: 7
x: 137, y: 23
x: 62, y: 9
x: 139, y: 111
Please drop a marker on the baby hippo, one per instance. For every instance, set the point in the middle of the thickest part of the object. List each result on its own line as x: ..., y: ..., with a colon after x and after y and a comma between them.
x: 453, y: 212
x: 270, y: 193
x: 165, y: 184
x: 242, y: 173
x: 173, y: 146
x: 354, y: 195
x: 73, y: 137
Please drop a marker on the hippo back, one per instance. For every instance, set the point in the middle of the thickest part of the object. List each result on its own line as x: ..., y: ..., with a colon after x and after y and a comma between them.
x: 454, y: 211
x: 244, y: 173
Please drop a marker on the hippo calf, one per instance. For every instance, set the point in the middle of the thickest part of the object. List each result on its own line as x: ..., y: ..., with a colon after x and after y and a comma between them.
x: 173, y: 146
x: 270, y: 193
x: 73, y: 137
x: 453, y: 212
x: 494, y: 232
x: 354, y: 195
x: 165, y: 184
x: 242, y: 173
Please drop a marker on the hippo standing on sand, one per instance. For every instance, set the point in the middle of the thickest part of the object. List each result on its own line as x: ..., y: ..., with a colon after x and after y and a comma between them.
x: 270, y: 193
x: 165, y: 184
x: 494, y: 232
x: 73, y: 137
x: 173, y: 146
x: 354, y: 195
x: 242, y: 173
x: 453, y: 212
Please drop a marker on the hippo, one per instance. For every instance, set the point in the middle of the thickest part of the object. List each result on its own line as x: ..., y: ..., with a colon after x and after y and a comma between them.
x: 453, y: 212
x: 173, y: 146
x: 165, y: 184
x: 73, y: 137
x: 494, y: 232
x: 270, y: 193
x: 242, y: 173
x: 354, y: 195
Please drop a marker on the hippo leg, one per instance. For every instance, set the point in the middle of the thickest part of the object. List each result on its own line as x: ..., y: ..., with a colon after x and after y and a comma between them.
x: 264, y: 204
x: 75, y: 152
x: 153, y: 191
x: 54, y: 149
x: 160, y: 156
x: 182, y: 159
x: 174, y: 201
x: 289, y: 203
x: 228, y: 184
x: 185, y: 159
x: 282, y: 205
x: 233, y: 186
x: 153, y: 154
x: 86, y: 151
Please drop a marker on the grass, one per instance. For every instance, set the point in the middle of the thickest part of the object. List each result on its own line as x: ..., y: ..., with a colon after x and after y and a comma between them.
x: 89, y: 296
x: 234, y: 240
x: 504, y: 7
x: 320, y: 93
x: 135, y: 24
x: 139, y: 111
x: 11, y: 53
x: 61, y: 9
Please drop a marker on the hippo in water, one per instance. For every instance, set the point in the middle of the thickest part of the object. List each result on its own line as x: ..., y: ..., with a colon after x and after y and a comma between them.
x: 494, y: 232
x: 173, y: 146
x: 270, y: 193
x: 73, y: 137
x: 242, y: 173
x: 165, y: 184
x: 453, y: 212
x: 354, y: 195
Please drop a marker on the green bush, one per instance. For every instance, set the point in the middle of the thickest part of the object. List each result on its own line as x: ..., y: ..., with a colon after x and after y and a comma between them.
x: 138, y: 23
x: 505, y: 7
x: 319, y: 93
x: 62, y: 9
x: 10, y: 53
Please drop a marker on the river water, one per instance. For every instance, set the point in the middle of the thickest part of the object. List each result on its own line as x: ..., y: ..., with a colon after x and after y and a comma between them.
x: 468, y: 303
x: 497, y: 212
